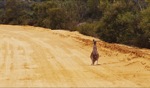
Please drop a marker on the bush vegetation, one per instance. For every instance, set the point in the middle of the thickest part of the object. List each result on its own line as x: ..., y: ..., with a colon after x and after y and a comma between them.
x: 114, y: 21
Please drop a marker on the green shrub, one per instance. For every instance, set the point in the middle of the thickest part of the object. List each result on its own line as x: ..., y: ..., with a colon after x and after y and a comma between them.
x: 87, y: 29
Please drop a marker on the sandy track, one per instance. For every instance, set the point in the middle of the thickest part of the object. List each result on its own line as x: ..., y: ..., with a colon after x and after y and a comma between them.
x: 37, y: 57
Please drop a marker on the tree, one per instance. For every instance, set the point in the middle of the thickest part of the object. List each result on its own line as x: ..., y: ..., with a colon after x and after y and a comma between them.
x: 108, y: 28
x: 48, y: 14
x: 93, y: 9
x: 57, y: 18
x: 144, y: 39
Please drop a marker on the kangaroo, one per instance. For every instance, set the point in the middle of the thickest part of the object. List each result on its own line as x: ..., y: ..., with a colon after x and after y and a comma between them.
x: 94, y: 55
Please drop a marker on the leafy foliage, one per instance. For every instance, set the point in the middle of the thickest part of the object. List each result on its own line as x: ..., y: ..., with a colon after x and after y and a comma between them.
x: 87, y: 29
x: 115, y: 21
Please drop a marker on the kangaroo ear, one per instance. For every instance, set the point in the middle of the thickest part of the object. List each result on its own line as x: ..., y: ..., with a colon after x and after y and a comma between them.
x: 93, y: 40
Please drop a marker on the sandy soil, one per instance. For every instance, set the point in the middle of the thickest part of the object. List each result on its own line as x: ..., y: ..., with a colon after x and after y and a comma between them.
x: 38, y: 57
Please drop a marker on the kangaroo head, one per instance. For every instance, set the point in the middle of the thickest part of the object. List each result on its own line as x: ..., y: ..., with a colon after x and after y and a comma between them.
x: 94, y: 42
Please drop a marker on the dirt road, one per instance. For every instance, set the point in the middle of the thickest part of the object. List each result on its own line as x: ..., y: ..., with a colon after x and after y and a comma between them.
x: 38, y: 57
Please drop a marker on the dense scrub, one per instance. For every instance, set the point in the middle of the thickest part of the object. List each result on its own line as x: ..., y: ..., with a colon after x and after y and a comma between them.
x: 115, y: 21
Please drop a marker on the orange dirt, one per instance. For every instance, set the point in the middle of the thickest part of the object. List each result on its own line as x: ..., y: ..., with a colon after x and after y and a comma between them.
x: 38, y: 57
